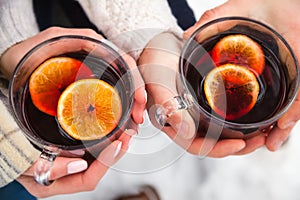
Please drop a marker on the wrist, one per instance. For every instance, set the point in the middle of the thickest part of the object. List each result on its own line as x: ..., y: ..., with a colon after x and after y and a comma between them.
x: 7, y: 66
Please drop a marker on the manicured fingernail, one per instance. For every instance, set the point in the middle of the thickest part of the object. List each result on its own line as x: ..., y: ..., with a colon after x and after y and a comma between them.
x: 78, y: 152
x: 144, y: 116
x: 77, y: 166
x: 118, y: 149
x: 183, y: 129
x: 130, y: 141
x: 131, y: 132
x: 146, y: 96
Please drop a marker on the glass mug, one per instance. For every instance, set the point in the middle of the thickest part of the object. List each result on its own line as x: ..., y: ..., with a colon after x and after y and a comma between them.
x: 44, y: 130
x: 278, y: 82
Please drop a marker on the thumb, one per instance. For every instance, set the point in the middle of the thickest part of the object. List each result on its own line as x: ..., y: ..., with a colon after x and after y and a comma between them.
x: 223, y: 10
x: 180, y: 121
x: 182, y: 124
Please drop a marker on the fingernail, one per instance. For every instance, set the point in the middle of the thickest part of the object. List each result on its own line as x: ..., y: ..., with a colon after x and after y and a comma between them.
x: 187, y: 32
x: 78, y: 152
x: 277, y: 145
x: 130, y: 141
x: 287, y: 125
x: 146, y: 96
x: 144, y: 116
x: 183, y: 129
x: 118, y: 149
x: 131, y: 132
x: 239, y: 147
x: 77, y: 166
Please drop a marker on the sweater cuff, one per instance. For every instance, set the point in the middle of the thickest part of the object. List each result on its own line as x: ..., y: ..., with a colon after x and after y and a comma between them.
x: 17, y: 22
x: 17, y: 154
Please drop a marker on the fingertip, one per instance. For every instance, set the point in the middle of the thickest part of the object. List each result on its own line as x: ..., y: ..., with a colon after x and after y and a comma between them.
x: 183, y: 124
x: 77, y: 166
x: 227, y: 147
x: 111, y: 153
x: 286, y: 123
x: 207, y: 16
x: 138, y: 110
x: 140, y: 95
x: 118, y: 149
x: 277, y: 137
x: 185, y: 129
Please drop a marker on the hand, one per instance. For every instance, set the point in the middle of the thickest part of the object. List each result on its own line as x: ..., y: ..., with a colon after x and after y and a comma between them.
x: 73, y: 175
x: 65, y: 183
x: 159, y: 67
x: 276, y: 14
x: 13, y: 55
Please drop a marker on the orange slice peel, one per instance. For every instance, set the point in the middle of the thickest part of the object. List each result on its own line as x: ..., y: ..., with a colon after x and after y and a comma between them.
x: 241, y: 50
x: 89, y: 109
x: 49, y: 80
x: 231, y: 90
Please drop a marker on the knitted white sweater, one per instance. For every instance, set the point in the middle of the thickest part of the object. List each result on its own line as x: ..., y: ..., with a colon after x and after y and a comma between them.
x: 130, y: 24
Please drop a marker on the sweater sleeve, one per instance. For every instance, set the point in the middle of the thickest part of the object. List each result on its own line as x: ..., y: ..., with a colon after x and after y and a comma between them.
x: 16, y: 153
x: 17, y: 22
x: 131, y: 24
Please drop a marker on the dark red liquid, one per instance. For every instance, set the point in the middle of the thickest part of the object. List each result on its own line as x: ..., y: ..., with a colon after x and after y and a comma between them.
x: 46, y: 126
x: 272, y: 82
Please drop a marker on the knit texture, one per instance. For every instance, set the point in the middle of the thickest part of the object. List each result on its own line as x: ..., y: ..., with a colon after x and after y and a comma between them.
x: 16, y: 153
x: 17, y: 22
x: 131, y: 24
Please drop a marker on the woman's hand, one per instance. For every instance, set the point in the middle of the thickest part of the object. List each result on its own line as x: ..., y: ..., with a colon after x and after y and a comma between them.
x: 13, y: 55
x: 159, y: 67
x: 71, y: 175
x: 276, y: 14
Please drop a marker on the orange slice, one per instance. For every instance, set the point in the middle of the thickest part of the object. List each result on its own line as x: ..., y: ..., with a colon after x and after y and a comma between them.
x: 49, y: 80
x: 241, y: 50
x: 231, y: 90
x: 89, y: 109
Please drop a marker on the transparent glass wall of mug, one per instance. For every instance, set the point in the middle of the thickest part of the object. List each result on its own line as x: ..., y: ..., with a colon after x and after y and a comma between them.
x: 70, y: 93
x: 237, y: 78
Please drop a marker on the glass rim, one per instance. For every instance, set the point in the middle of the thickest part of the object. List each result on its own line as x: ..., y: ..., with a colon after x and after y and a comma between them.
x: 224, y: 122
x: 42, y: 143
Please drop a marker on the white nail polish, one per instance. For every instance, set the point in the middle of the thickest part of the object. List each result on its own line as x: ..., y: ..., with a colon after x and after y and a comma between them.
x: 78, y: 152
x: 130, y: 141
x: 146, y: 96
x: 118, y: 149
x: 183, y: 129
x: 77, y: 166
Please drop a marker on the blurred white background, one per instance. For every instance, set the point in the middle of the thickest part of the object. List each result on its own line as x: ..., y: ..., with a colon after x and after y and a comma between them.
x: 260, y: 175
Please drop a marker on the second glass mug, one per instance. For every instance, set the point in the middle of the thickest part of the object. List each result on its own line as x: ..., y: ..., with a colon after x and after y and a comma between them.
x: 101, y: 57
x: 191, y: 97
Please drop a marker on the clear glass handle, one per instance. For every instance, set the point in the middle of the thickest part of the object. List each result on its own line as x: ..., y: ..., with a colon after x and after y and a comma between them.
x: 169, y: 108
x: 43, y: 167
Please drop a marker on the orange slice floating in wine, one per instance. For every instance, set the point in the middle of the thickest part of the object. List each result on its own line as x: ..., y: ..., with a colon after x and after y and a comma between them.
x: 49, y: 80
x: 241, y: 50
x: 89, y: 109
x: 231, y: 90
